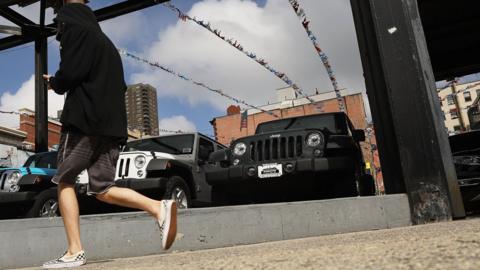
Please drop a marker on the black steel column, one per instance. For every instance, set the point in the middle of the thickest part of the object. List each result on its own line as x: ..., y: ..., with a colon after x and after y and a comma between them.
x: 41, y: 97
x: 413, y: 145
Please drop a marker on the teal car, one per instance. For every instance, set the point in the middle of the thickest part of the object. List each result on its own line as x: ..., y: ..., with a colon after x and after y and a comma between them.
x: 27, y: 191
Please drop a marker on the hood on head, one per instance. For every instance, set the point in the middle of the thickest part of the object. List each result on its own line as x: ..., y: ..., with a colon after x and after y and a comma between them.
x: 77, y: 14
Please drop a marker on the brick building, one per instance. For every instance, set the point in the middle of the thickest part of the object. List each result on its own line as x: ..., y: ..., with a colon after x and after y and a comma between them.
x: 27, y: 125
x: 229, y: 127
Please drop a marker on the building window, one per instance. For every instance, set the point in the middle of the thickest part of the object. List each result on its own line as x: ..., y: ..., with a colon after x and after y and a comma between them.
x: 453, y: 114
x: 467, y: 96
x: 443, y: 115
x: 450, y: 100
x: 457, y: 128
x: 440, y: 100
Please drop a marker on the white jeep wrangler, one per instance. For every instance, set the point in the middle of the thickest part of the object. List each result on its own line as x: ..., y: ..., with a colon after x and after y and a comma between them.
x: 170, y: 166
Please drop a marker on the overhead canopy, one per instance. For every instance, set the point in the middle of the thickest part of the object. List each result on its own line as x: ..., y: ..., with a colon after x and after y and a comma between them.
x: 27, y: 30
x: 452, y: 32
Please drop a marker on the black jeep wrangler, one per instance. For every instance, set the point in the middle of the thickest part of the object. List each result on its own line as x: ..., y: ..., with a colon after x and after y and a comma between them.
x: 301, y: 158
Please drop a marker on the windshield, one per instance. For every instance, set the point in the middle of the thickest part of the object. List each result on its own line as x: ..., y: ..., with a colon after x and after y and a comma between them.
x: 46, y: 160
x: 175, y: 145
x: 331, y: 123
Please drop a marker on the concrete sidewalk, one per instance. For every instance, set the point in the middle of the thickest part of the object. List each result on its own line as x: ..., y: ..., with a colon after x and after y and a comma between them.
x: 134, y: 234
x: 449, y: 245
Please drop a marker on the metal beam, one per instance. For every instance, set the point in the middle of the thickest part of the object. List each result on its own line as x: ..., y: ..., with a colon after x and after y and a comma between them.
x: 101, y: 14
x: 41, y: 97
x: 400, y: 84
x: 14, y: 41
x: 6, y: 3
x: 15, y: 17
x: 11, y: 30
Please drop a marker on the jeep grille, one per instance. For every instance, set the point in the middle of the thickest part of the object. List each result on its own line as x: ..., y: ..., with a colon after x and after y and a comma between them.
x: 3, y: 179
x: 276, y: 148
x: 123, y: 167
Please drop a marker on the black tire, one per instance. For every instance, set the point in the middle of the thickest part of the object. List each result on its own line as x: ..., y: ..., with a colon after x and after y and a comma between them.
x: 177, y: 189
x: 366, y: 185
x: 219, y: 196
x: 45, y: 205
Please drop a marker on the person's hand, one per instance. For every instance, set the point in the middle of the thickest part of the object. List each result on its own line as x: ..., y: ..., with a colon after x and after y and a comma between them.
x: 47, y: 77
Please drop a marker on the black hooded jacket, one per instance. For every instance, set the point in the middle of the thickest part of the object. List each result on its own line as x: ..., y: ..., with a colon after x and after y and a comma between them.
x: 91, y: 74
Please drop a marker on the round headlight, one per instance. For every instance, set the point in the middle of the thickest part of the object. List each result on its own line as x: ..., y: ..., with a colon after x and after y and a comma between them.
x: 314, y: 139
x: 13, y: 178
x: 140, y: 161
x: 240, y: 149
x: 14, y: 188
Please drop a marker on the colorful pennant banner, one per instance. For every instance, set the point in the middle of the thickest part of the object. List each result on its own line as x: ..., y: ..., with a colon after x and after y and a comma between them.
x: 183, y: 77
x: 19, y: 113
x: 305, y: 22
x: 238, y: 46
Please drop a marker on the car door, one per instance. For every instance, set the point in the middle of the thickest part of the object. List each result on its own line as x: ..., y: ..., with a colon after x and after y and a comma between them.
x: 203, y: 190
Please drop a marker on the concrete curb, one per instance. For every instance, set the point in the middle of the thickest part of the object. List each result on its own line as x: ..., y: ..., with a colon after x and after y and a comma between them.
x: 135, y: 234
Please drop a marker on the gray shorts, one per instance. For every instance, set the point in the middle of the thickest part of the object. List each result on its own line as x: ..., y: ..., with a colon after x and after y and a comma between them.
x: 96, y: 154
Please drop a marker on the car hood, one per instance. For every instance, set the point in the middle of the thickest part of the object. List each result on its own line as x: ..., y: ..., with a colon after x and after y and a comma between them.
x: 151, y: 154
x: 29, y: 170
x: 158, y: 155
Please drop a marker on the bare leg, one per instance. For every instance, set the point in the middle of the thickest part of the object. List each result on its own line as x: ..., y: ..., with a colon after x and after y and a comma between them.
x: 129, y: 198
x: 67, y: 200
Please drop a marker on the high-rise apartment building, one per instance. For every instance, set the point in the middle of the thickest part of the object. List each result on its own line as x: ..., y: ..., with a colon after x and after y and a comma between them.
x: 142, y: 110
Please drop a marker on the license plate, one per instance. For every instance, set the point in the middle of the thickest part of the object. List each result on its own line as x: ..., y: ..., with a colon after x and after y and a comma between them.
x: 270, y: 170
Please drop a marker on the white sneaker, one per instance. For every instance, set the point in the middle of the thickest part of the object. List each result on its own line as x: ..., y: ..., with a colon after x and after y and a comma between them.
x: 66, y: 261
x: 168, y: 223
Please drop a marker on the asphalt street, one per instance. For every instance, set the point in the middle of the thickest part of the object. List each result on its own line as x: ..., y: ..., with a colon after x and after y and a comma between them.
x: 448, y: 245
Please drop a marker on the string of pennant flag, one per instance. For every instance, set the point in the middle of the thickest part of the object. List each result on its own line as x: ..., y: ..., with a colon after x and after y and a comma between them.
x: 19, y: 113
x: 236, y: 44
x: 185, y: 78
x: 305, y: 23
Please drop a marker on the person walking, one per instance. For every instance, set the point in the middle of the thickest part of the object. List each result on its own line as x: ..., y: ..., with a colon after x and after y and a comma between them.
x: 94, y: 126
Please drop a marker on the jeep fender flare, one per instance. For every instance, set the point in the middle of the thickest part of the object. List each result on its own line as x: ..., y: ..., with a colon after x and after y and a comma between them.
x: 31, y: 179
x: 170, y: 167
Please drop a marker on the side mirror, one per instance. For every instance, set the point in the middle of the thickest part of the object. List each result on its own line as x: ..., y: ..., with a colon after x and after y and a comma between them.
x: 220, y: 156
x: 358, y: 135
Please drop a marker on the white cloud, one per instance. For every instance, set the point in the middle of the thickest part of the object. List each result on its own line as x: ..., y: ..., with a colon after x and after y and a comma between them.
x: 272, y: 32
x: 176, y: 123
x: 24, y: 97
x: 127, y: 30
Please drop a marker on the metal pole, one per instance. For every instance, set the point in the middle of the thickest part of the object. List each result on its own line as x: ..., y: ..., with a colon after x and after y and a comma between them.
x: 41, y: 97
x: 405, y: 109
